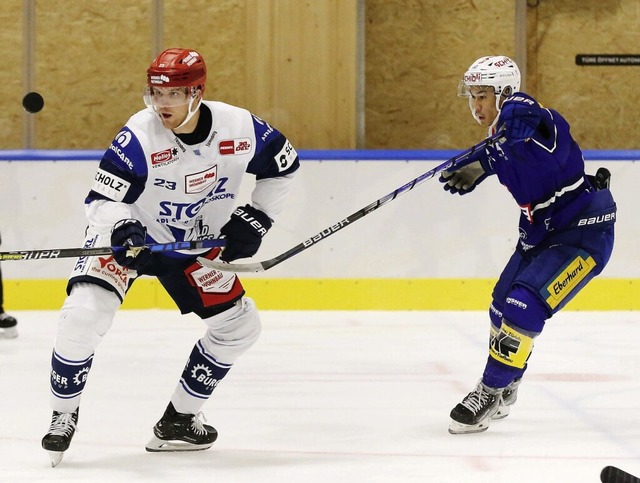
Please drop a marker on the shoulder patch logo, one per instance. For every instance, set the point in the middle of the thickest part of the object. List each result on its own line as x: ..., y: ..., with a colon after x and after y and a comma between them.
x: 234, y: 146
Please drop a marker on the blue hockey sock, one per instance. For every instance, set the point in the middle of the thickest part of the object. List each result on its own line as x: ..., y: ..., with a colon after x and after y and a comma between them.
x: 202, y: 373
x: 68, y: 377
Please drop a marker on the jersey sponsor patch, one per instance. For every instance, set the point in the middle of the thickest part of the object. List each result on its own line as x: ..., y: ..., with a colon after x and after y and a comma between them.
x: 110, y: 185
x: 234, y: 146
x: 198, y: 182
x: 567, y: 278
x: 286, y: 157
x: 210, y: 280
x: 164, y: 158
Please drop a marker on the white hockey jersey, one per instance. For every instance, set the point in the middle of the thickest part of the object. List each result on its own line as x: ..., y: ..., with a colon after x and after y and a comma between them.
x: 184, y: 192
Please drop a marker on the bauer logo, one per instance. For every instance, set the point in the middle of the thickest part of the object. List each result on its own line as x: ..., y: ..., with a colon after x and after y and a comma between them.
x: 164, y: 158
x: 198, y: 182
x: 234, y: 146
x: 565, y: 280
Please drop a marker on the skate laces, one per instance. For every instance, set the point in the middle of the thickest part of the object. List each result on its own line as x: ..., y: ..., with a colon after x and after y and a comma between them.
x: 197, y: 423
x: 477, y: 399
x: 62, y: 425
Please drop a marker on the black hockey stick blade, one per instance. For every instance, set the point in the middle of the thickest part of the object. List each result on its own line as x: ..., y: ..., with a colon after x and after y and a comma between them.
x: 54, y: 253
x: 267, y: 264
x: 612, y: 474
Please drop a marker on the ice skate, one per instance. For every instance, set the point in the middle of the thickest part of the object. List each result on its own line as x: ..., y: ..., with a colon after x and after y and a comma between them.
x: 8, y: 326
x: 474, y: 413
x: 509, y: 397
x: 57, y: 440
x: 181, y: 432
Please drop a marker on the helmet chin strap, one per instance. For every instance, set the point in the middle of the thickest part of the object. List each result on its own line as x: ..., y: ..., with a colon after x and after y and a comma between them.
x: 192, y: 111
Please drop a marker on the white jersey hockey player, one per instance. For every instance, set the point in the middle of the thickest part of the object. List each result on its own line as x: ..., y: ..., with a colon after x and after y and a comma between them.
x: 172, y: 173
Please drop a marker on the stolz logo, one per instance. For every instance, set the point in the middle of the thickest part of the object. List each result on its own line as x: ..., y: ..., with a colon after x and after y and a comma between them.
x: 234, y: 146
x: 164, y: 158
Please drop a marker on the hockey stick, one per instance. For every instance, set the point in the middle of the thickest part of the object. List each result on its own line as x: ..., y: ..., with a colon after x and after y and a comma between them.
x: 85, y: 252
x: 611, y: 474
x: 267, y: 264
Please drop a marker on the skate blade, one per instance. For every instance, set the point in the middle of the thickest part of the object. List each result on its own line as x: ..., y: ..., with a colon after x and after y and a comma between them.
x: 156, y: 445
x: 458, y: 428
x: 55, y: 457
x: 503, y: 412
x: 9, y: 333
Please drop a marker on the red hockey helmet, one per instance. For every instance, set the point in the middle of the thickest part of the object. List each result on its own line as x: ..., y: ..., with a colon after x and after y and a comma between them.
x: 177, y: 68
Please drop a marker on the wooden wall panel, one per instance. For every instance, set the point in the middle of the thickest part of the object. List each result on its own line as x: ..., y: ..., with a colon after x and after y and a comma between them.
x: 416, y: 53
x: 216, y: 29
x: 599, y: 102
x: 301, y: 69
x: 90, y: 68
x: 294, y: 63
x: 11, y: 75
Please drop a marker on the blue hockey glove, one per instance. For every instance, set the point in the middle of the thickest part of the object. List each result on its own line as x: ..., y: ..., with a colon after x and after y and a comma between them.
x: 243, y: 233
x: 519, y: 117
x: 465, y: 179
x: 130, y: 233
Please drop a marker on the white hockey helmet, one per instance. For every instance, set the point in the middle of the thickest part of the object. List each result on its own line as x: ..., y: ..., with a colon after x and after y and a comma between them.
x: 499, y: 72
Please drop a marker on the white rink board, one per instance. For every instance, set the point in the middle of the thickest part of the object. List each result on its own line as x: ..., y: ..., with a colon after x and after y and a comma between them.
x: 425, y: 233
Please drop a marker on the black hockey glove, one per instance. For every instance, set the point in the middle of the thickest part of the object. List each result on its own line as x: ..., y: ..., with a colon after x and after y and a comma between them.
x: 519, y: 117
x: 130, y: 233
x: 465, y: 179
x: 243, y: 233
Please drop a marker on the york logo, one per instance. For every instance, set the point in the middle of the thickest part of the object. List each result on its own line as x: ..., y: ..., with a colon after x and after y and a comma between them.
x: 109, y: 265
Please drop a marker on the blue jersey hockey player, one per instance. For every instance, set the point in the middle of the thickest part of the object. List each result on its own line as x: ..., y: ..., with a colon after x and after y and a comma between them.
x: 566, y: 227
x: 173, y: 173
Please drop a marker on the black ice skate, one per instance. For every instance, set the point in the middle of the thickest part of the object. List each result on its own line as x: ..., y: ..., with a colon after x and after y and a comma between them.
x: 8, y: 326
x: 509, y: 397
x: 474, y: 413
x: 57, y: 440
x: 181, y: 432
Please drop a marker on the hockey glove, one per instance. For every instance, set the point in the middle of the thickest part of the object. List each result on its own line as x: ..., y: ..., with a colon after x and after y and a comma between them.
x: 130, y: 233
x: 465, y: 179
x: 243, y: 233
x: 519, y: 117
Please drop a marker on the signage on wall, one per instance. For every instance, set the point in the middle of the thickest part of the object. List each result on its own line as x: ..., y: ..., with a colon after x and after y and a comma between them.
x: 608, y: 59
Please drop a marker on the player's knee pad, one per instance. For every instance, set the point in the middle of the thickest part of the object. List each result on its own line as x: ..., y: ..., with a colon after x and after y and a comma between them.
x: 233, y: 331
x: 525, y: 309
x: 87, y: 314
